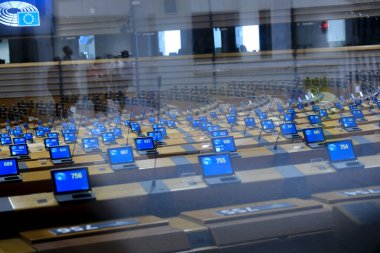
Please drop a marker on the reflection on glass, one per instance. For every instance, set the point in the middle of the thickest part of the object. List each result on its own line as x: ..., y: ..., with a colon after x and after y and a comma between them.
x: 169, y: 42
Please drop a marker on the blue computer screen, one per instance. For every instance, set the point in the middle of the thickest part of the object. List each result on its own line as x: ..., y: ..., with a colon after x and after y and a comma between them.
x: 20, y: 149
x: 53, y: 135
x: 338, y: 105
x: 352, y: 107
x: 146, y: 143
x: 6, y: 140
x: 117, y: 132
x: 203, y: 118
x: 20, y: 140
x: 28, y: 136
x: 121, y: 155
x: 213, y: 115
x: 249, y: 121
x: 218, y: 133
x: 263, y: 115
x: 341, y: 150
x: 51, y: 142
x: 292, y: 111
x: 162, y: 129
x: 196, y: 123
x: 300, y: 106
x: 216, y: 165
x: 60, y: 152
x: 189, y: 117
x: 323, y: 113
x: 17, y: 132
x: 108, y: 137
x: 70, y: 137
x: 314, y: 119
x: 267, y: 124
x: 223, y: 144
x: 315, y: 108
x: 3, y: 135
x: 358, y: 114
x: 40, y: 133
x: 156, y: 135
x: 288, y: 128
x: 313, y: 135
x: 95, y: 132
x: 288, y: 117
x: 171, y: 123
x: 8, y: 167
x: 71, y: 180
x: 135, y: 127
x: 257, y: 112
x: 46, y: 129
x: 90, y: 143
x: 348, y: 122
x: 231, y: 119
x: 213, y: 128
x: 157, y: 126
x: 102, y: 128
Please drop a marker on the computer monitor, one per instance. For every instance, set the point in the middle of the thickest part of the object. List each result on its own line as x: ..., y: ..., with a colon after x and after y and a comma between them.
x: 121, y: 156
x: 323, y: 113
x: 213, y: 115
x: 90, y: 144
x: 172, y: 124
x: 315, y: 108
x: 47, y: 129
x: 53, y: 135
x: 189, y: 118
x: 300, y: 106
x: 9, y: 170
x: 288, y: 129
x: 314, y: 119
x: 338, y: 106
x: 6, y: 140
x: 313, y: 135
x: 144, y: 144
x: 156, y: 135
x: 17, y: 132
x: 263, y: 116
x: 4, y: 135
x: 117, y: 132
x: 352, y: 107
x: 348, y: 122
x: 267, y: 124
x: 108, y: 138
x: 341, y: 151
x: 60, y: 154
x: 218, y: 133
x: 28, y: 136
x: 71, y: 184
x: 95, y: 132
x: 288, y: 117
x: 203, y: 119
x: 51, y: 142
x: 231, y: 119
x: 19, y: 151
x: 358, y: 114
x: 102, y: 128
x: 157, y: 125
x: 292, y: 111
x: 213, y: 128
x: 249, y: 122
x: 19, y: 140
x: 135, y: 127
x: 40, y: 133
x: 223, y: 144
x: 70, y: 138
x: 205, y: 125
x: 196, y: 123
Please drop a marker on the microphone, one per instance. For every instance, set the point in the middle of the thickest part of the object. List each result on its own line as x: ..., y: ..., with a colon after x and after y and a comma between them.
x: 77, y: 132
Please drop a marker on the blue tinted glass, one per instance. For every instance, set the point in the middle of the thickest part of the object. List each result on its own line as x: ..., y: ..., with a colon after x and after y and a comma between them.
x: 216, y: 165
x: 71, y: 180
x: 21, y: 140
x: 223, y: 144
x: 288, y: 129
x: 314, y: 135
x: 51, y: 142
x: 108, y: 137
x: 89, y: 143
x: 8, y: 167
x: 20, y: 149
x: 341, y: 150
x: 121, y: 155
x: 60, y: 152
x: 314, y: 119
x: 144, y: 143
x: 349, y: 122
x: 358, y: 114
x: 250, y: 121
x: 267, y: 124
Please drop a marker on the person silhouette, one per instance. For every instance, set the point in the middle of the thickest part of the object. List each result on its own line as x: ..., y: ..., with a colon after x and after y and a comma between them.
x: 68, y: 53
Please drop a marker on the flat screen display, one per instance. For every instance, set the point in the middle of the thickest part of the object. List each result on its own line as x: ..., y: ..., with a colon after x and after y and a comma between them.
x: 231, y: 119
x: 341, y: 151
x: 263, y: 115
x: 323, y: 113
x: 288, y: 117
x: 120, y: 155
x: 70, y: 180
x: 117, y: 132
x: 26, y: 18
x: 146, y: 143
x: 108, y: 137
x: 6, y: 140
x: 95, y: 132
x: 8, y: 167
x: 60, y: 152
x: 288, y: 128
x: 218, y: 133
x: 315, y: 108
x: 20, y: 149
x: 53, y: 135
x: 223, y: 144
x: 28, y: 136
x: 313, y: 135
x: 216, y: 165
x: 90, y: 143
x: 358, y: 114
x: 249, y: 121
x: 156, y: 135
x: 314, y: 119
x: 348, y: 122
x: 19, y: 140
x: 267, y: 124
x: 70, y: 137
x: 51, y: 142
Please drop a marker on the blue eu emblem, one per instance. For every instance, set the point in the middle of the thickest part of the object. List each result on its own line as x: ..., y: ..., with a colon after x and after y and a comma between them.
x: 31, y: 18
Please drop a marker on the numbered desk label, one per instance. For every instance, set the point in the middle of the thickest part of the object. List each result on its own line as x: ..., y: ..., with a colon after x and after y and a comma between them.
x: 92, y: 227
x: 362, y: 192
x: 253, y: 209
